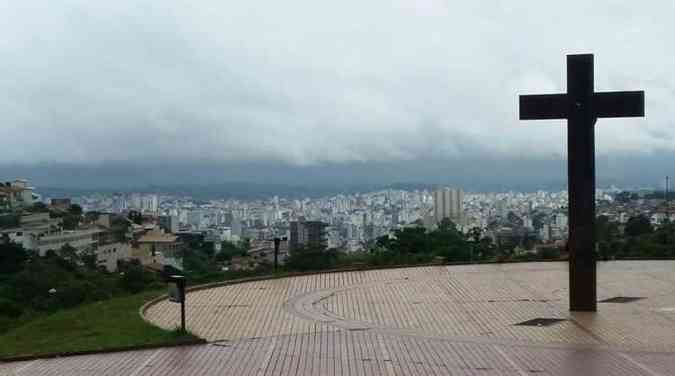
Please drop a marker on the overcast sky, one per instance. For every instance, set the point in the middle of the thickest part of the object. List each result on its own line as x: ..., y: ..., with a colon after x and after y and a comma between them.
x: 310, y: 82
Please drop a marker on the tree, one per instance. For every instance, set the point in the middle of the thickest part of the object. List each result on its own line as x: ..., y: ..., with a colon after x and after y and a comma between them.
x: 12, y: 258
x: 486, y: 250
x: 68, y: 252
x: 9, y: 220
x: 625, y: 196
x: 638, y: 225
x: 410, y: 240
x: 38, y: 207
x: 305, y: 259
x: 475, y: 234
x: 538, y: 219
x: 70, y: 222
x: 75, y: 209
x: 605, y: 229
x: 135, y: 217
x: 72, y: 293
x: 88, y: 258
x: 607, y: 237
x: 9, y: 308
x: 92, y: 216
x: 383, y: 242
x: 133, y: 279
x: 447, y: 242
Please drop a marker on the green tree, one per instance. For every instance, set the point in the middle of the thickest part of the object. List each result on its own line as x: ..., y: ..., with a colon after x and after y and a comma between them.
x: 306, y: 259
x: 486, y: 250
x: 133, y: 278
x: 638, y: 225
x: 12, y: 258
x: 475, y: 234
x: 71, y: 222
x: 88, y: 258
x: 75, y: 209
x: 72, y: 293
x: 38, y: 207
x: 135, y: 217
x: 607, y: 236
x: 449, y: 243
x: 9, y: 220
x: 410, y: 240
x: 92, y: 216
x: 625, y: 196
x: 9, y: 308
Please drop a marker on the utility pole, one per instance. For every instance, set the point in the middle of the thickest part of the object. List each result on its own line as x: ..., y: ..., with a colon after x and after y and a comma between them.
x: 666, y: 191
x: 667, y: 198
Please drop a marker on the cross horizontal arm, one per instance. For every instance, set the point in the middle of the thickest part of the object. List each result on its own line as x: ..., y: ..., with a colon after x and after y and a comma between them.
x: 619, y: 104
x: 547, y: 106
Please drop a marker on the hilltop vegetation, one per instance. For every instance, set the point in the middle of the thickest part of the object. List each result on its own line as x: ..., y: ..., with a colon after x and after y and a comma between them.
x: 31, y: 285
x: 102, y: 325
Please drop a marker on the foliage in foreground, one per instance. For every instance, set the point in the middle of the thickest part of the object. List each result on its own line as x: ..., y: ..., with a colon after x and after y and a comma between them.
x: 113, y: 323
x: 638, y: 239
x: 31, y: 285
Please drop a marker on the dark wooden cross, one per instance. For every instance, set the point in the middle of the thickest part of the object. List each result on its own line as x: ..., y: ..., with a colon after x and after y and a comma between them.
x: 581, y: 106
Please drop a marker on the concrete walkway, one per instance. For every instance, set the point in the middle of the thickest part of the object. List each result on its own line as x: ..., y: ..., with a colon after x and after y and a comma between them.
x: 445, y: 320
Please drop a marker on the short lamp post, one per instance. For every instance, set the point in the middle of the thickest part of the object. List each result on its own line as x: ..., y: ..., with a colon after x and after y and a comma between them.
x: 177, y: 295
x: 277, y: 241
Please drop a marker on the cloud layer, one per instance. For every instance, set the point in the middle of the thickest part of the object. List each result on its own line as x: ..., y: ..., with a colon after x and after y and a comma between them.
x: 308, y: 82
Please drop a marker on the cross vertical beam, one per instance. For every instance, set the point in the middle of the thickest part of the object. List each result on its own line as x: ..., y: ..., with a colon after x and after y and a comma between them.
x: 581, y: 106
x: 581, y: 183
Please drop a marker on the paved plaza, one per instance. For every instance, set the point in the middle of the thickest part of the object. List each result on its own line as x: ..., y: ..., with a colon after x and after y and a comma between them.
x: 440, y: 320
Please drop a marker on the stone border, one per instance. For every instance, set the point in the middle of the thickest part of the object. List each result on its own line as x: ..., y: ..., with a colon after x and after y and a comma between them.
x: 180, y: 343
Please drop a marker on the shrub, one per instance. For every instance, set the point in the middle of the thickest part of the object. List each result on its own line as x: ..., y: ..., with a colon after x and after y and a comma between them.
x: 133, y: 279
x: 549, y: 253
x: 12, y: 258
x: 10, y: 309
x: 72, y: 294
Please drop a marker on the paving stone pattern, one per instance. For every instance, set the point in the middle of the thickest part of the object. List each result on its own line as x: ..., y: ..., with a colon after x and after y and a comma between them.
x: 443, y: 320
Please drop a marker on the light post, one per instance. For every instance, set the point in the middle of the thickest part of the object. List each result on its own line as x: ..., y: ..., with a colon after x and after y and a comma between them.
x: 277, y: 241
x: 177, y: 295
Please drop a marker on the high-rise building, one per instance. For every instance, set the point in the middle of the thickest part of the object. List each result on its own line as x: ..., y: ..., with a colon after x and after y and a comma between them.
x: 236, y: 229
x: 561, y: 220
x: 195, y: 218
x: 136, y: 201
x: 307, y: 234
x: 150, y: 204
x: 448, y: 203
x: 169, y: 223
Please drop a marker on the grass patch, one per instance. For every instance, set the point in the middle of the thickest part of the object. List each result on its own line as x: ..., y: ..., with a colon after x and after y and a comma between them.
x: 104, y: 325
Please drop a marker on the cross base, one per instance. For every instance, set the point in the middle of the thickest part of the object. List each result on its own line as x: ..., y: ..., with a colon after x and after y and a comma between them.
x: 583, y: 296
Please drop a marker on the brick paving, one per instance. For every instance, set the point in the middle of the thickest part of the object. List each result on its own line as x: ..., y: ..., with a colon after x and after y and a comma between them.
x: 442, y: 320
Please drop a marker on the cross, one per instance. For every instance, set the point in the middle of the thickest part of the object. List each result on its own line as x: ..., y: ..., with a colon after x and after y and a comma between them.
x: 581, y: 106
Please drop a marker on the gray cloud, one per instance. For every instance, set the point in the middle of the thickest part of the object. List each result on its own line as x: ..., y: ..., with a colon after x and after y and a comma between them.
x: 306, y: 82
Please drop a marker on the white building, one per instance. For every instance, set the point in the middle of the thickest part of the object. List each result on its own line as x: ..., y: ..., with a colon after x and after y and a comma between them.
x: 151, y: 204
x: 169, y: 223
x: 545, y: 233
x: 16, y: 194
x: 448, y: 203
x: 109, y: 255
x: 561, y: 220
x: 81, y: 240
